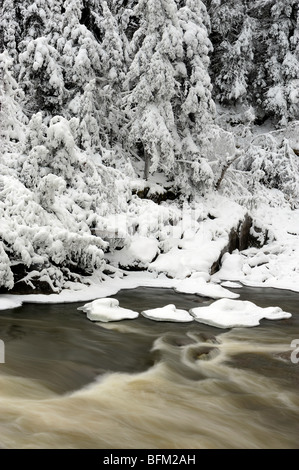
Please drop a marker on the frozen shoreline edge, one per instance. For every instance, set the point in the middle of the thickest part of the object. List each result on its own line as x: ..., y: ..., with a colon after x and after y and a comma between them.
x: 109, y: 288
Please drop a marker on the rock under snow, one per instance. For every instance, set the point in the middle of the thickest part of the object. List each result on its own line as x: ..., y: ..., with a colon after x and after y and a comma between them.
x: 106, y: 310
x: 231, y: 268
x: 168, y: 313
x: 226, y: 313
x: 138, y: 254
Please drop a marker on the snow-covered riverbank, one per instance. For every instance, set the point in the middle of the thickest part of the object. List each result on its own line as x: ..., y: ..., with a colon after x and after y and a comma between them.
x: 183, y: 262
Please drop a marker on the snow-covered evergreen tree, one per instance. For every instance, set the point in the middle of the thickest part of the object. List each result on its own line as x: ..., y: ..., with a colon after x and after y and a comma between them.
x: 9, y: 28
x: 6, y: 275
x: 256, y: 55
x: 80, y: 52
x: 281, y: 62
x: 41, y: 77
x: 157, y: 45
x: 86, y: 124
x: 195, y: 107
x: 233, y: 31
x: 12, y: 117
x: 169, y: 87
x: 110, y: 84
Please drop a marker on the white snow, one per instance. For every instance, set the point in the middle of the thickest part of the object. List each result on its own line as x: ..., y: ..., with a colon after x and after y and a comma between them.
x: 7, y: 302
x: 70, y: 202
x: 140, y: 252
x: 106, y: 310
x: 227, y: 313
x: 77, y: 292
x: 231, y: 269
x: 199, y: 286
x: 187, y: 249
x: 275, y: 264
x: 202, y: 241
x: 168, y: 313
x: 232, y: 285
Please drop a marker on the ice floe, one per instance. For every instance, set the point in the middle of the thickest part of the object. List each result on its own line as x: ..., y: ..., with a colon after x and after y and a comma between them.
x: 227, y: 313
x: 106, y: 310
x: 168, y: 313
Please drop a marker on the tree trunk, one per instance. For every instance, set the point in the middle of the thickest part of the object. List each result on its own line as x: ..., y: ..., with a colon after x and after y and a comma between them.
x: 146, y: 166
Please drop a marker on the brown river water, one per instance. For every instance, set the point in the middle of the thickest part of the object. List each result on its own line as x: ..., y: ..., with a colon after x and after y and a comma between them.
x: 71, y: 383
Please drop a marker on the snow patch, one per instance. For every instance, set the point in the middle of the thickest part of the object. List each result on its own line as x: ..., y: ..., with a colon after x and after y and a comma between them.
x: 199, y: 286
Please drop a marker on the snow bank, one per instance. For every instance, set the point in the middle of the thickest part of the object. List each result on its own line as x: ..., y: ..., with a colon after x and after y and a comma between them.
x: 8, y: 302
x: 106, y: 310
x: 168, y: 313
x: 197, y: 285
x: 275, y: 264
x: 226, y: 313
x: 105, y: 288
x: 202, y: 241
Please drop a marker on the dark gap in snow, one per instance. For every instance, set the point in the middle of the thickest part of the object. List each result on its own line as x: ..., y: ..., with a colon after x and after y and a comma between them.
x: 240, y: 238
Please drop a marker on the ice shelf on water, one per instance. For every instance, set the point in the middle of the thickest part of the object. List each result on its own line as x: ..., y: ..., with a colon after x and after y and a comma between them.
x: 8, y: 302
x: 197, y: 285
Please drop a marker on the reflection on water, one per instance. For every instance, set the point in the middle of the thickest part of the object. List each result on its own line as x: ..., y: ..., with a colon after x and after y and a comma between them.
x: 70, y: 383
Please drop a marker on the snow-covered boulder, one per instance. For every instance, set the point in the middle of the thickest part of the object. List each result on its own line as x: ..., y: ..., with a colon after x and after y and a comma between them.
x: 140, y: 252
x: 168, y: 313
x: 227, y: 313
x: 106, y: 310
x: 231, y: 268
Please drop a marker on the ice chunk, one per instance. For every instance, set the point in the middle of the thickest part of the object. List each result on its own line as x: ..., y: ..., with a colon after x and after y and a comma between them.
x: 168, y: 313
x: 227, y: 313
x: 106, y: 310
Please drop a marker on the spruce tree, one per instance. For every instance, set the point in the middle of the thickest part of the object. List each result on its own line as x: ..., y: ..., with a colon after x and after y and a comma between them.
x: 195, y: 107
x: 9, y: 28
x: 281, y: 62
x: 41, y: 76
x: 157, y: 45
x: 12, y: 117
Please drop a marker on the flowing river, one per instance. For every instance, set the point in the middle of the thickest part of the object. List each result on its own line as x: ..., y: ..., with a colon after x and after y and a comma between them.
x: 70, y: 383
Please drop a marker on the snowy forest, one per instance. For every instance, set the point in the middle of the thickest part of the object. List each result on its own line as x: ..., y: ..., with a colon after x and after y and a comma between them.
x: 140, y: 134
